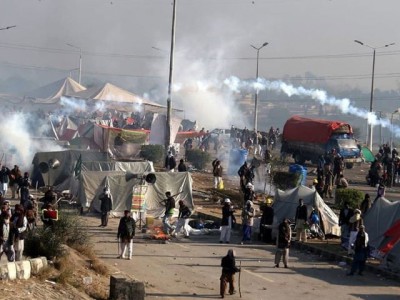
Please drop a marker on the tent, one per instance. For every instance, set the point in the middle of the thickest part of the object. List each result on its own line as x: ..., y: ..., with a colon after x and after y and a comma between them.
x: 115, y: 98
x: 90, y: 185
x: 51, y: 93
x: 286, y: 202
x: 382, y: 216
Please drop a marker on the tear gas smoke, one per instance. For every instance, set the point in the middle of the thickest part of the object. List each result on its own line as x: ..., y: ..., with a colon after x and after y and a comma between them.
x: 18, y: 143
x: 321, y: 96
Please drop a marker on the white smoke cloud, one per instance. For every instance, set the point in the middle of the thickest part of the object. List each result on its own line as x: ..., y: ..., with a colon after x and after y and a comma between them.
x: 18, y: 139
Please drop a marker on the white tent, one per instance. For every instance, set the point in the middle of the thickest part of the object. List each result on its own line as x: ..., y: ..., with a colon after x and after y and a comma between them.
x: 286, y: 202
x: 51, y: 93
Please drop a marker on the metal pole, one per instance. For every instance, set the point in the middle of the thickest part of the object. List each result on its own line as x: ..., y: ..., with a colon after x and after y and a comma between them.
x: 256, y: 101
x: 391, y: 131
x: 371, y: 102
x: 80, y: 65
x: 171, y: 66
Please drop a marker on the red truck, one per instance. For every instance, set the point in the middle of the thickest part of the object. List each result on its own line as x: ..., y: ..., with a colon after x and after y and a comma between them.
x: 308, y: 139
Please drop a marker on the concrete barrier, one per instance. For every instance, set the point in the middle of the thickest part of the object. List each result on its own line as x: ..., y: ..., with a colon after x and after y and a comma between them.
x: 125, y: 288
x: 38, y: 264
x: 22, y: 269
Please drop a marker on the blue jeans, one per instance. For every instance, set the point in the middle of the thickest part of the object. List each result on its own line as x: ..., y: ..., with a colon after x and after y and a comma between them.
x: 246, y: 233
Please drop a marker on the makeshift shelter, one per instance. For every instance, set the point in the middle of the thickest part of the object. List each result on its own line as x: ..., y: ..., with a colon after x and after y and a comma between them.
x: 90, y: 185
x: 51, y: 94
x: 286, y: 202
x: 114, y: 97
x: 67, y: 161
x: 381, y: 217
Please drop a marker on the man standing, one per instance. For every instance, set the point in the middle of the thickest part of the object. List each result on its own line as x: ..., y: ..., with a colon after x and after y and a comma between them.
x: 283, y: 243
x: 126, y: 232
x: 24, y: 183
x: 170, y: 162
x: 344, y: 217
x: 228, y: 219
x: 229, y: 269
x: 217, y: 172
x: 267, y: 219
x: 242, y: 172
x: 360, y: 251
x: 301, y: 220
x: 106, y: 206
x: 248, y: 221
x: 182, y: 167
x: 169, y: 211
x: 183, y: 219
x: 15, y: 176
x: 4, y: 179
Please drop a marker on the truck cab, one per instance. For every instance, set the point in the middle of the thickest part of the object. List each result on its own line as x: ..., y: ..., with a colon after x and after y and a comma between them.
x: 346, y: 146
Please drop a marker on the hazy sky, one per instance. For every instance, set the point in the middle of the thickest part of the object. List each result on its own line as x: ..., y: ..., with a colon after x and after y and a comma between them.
x: 213, y: 38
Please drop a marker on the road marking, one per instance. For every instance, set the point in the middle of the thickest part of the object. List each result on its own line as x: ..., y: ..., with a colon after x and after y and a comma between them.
x: 259, y: 276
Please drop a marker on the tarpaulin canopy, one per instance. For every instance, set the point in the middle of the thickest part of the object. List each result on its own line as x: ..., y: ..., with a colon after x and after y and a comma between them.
x: 286, y: 202
x: 91, y: 183
x: 367, y: 154
x: 312, y: 130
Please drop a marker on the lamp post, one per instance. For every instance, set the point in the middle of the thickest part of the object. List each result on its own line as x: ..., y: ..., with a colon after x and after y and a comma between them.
x: 80, y: 61
x: 256, y: 95
x: 370, y: 127
x: 391, y: 127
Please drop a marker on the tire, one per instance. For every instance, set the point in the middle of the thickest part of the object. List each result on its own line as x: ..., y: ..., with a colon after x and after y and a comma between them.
x: 349, y: 165
x: 299, y: 159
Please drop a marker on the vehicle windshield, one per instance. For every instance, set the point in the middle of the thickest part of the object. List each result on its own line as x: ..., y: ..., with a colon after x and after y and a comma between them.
x: 347, y: 143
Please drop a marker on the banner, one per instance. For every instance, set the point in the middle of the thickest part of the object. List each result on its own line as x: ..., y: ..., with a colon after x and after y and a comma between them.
x: 138, y: 198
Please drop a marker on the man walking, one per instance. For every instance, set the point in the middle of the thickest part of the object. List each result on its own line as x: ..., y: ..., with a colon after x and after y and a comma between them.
x: 229, y: 269
x: 169, y: 211
x: 106, y: 206
x: 4, y: 179
x: 283, y: 243
x: 126, y: 232
x: 15, y: 176
x: 301, y: 220
x: 183, y: 219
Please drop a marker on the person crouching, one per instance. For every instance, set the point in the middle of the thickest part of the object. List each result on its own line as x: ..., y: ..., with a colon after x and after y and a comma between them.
x: 229, y: 269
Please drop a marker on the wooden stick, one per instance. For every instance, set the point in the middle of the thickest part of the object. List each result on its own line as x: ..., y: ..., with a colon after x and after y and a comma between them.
x: 240, y: 266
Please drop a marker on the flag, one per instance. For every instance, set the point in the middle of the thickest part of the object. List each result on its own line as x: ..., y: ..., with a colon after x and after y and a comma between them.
x: 78, y: 166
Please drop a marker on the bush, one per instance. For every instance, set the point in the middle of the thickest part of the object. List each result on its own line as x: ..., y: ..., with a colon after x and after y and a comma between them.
x: 154, y: 153
x: 48, y: 241
x: 198, y: 158
x: 351, y: 196
x: 286, y: 180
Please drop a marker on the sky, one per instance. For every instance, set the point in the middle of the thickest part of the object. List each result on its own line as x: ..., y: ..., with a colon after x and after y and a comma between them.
x: 213, y: 39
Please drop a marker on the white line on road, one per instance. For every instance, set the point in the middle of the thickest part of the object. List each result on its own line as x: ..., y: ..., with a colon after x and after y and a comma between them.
x: 259, y: 276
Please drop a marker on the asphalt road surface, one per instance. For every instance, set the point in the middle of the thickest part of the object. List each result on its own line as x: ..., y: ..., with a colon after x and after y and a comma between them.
x: 190, y: 269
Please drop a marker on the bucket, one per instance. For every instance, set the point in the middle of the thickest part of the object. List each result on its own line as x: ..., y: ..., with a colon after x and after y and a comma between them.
x: 149, y: 221
x: 302, y: 171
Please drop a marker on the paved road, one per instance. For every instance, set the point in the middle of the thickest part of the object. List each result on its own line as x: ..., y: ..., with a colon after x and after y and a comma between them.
x: 190, y: 269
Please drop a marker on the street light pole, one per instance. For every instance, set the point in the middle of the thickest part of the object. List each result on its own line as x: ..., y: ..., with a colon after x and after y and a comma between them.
x: 256, y: 94
x: 391, y: 127
x: 80, y: 61
x: 171, y: 66
x: 370, y: 127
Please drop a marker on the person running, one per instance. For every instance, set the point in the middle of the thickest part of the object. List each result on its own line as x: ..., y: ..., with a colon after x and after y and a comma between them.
x: 229, y: 269
x: 126, y: 232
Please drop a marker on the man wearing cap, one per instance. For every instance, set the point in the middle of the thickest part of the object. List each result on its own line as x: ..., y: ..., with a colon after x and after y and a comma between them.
x: 15, y: 176
x: 228, y: 219
x: 354, y: 224
x: 247, y: 221
x: 249, y: 193
x: 267, y: 218
x: 360, y: 251
x: 126, y: 232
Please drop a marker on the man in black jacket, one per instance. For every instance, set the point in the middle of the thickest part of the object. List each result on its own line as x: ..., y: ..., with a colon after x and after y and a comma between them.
x: 4, y: 179
x: 283, y: 243
x: 105, y: 207
x: 228, y: 220
x: 229, y: 269
x: 126, y: 232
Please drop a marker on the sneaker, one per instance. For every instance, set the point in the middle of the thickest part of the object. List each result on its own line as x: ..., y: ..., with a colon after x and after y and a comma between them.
x: 233, y: 292
x: 276, y: 266
x: 286, y: 266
